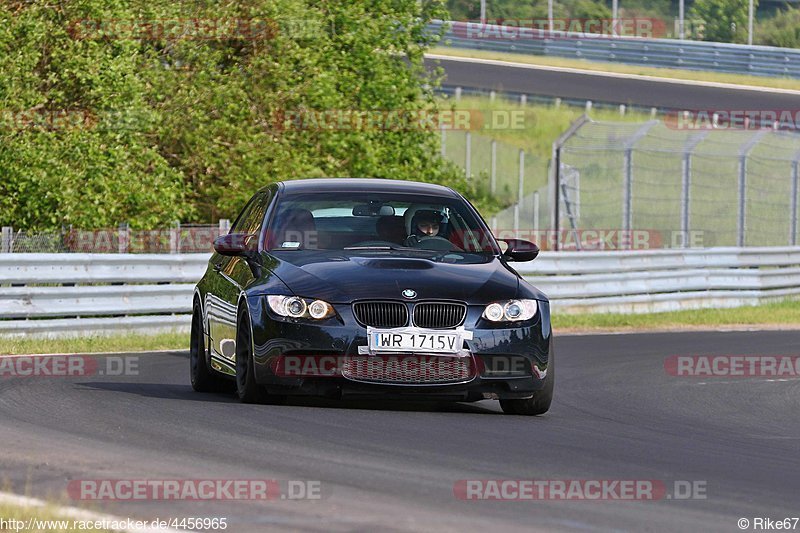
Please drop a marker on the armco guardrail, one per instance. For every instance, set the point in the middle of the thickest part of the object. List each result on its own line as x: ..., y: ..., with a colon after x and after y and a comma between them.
x: 63, y: 294
x: 665, y: 280
x: 672, y: 53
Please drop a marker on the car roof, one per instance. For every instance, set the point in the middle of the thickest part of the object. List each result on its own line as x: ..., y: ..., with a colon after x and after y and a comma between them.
x: 364, y: 185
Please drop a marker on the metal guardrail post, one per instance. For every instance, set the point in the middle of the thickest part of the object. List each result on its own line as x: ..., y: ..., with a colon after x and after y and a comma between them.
x: 7, y: 245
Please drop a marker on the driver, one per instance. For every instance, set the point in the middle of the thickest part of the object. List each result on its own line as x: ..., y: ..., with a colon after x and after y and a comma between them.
x: 425, y: 224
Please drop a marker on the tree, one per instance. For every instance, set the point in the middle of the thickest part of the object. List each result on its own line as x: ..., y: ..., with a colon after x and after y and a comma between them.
x: 187, y: 128
x: 781, y: 30
x: 724, y: 21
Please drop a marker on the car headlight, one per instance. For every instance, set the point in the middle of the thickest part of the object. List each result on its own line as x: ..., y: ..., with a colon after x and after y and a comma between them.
x: 296, y: 307
x: 511, y: 311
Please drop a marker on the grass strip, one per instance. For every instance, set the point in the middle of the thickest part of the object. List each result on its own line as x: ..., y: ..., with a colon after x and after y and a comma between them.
x: 128, y: 342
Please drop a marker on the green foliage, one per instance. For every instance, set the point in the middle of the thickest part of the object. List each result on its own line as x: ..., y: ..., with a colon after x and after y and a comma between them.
x: 536, y: 9
x: 62, y: 161
x: 181, y: 128
x: 724, y: 20
x: 781, y: 30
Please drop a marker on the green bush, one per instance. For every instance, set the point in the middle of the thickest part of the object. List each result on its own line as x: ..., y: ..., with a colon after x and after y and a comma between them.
x: 724, y: 21
x: 783, y: 29
x: 162, y: 128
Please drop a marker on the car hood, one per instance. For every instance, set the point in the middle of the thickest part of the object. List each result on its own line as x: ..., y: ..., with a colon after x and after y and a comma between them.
x: 341, y: 278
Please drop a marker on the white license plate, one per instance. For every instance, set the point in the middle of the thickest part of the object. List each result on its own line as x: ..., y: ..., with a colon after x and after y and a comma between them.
x: 414, y: 340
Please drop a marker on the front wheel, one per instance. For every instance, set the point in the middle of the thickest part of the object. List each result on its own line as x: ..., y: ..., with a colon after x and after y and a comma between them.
x: 541, y: 400
x: 247, y: 389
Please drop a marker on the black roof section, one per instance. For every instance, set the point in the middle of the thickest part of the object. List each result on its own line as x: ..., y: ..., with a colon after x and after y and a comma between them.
x: 345, y: 185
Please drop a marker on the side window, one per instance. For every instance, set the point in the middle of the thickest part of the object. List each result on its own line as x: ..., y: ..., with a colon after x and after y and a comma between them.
x: 251, y: 217
x: 238, y: 224
x: 255, y: 218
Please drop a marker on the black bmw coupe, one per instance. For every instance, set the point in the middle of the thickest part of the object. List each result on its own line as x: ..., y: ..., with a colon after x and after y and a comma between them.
x: 370, y: 288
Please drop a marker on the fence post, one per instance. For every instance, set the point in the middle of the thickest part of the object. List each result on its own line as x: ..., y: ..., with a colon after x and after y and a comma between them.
x: 520, y: 190
x: 553, y: 191
x: 740, y: 220
x: 523, y: 100
x: 224, y: 226
x: 627, y: 182
x: 795, y: 186
x: 627, y: 192
x: 175, y: 238
x: 553, y: 185
x: 686, y: 184
x: 468, y: 154
x: 458, y: 94
x: 444, y: 140
x: 744, y: 151
x: 123, y: 238
x: 8, y: 240
x: 536, y: 214
x: 493, y: 177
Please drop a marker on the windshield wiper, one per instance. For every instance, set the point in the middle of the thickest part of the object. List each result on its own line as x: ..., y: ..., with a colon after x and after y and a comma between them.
x: 371, y: 248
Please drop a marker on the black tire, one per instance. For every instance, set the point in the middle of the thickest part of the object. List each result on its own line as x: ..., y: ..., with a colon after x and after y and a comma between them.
x: 247, y: 389
x: 541, y: 400
x: 203, y: 379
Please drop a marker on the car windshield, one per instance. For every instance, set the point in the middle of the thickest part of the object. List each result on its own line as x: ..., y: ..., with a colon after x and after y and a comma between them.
x: 434, y: 227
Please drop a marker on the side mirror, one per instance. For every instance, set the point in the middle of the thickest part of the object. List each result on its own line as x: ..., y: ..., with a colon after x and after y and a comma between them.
x: 235, y: 244
x: 520, y: 250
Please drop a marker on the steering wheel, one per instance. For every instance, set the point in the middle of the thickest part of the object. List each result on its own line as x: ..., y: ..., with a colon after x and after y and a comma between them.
x: 434, y: 243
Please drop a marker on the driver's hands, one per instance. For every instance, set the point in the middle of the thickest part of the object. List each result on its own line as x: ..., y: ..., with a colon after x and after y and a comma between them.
x: 411, y: 241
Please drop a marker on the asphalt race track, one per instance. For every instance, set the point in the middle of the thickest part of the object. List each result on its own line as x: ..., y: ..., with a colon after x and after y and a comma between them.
x: 608, y: 88
x: 617, y: 415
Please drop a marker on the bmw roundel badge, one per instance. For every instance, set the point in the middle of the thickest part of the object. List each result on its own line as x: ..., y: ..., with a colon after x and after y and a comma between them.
x: 409, y: 293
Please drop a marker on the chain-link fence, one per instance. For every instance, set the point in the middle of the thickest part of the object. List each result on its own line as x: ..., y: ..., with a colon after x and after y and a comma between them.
x: 653, y: 184
x: 678, y: 187
x: 514, y: 176
x: 180, y: 238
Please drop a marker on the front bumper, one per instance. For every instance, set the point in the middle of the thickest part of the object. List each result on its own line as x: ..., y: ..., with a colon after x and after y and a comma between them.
x: 508, y: 362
